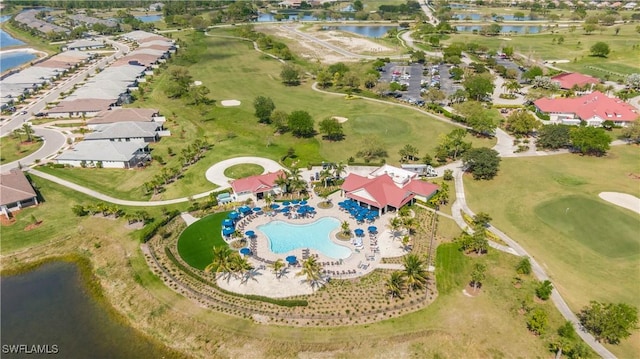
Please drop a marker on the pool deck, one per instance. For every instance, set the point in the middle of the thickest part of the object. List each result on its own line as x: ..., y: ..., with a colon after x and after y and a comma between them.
x: 360, y: 262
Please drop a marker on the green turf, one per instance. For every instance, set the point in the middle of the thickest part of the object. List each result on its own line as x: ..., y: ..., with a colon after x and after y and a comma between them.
x: 243, y: 170
x: 603, y: 228
x: 197, y: 241
x: 452, y: 267
x: 12, y: 149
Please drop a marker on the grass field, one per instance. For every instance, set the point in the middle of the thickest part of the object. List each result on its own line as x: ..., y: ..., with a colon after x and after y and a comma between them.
x: 197, y: 241
x: 623, y: 58
x: 12, y: 149
x: 58, y: 222
x: 533, y: 190
x: 243, y: 170
x: 233, y: 70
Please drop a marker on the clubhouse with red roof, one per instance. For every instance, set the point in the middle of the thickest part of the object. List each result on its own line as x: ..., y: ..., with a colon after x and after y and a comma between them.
x: 572, y: 80
x: 257, y: 187
x: 594, y: 109
x: 387, y: 188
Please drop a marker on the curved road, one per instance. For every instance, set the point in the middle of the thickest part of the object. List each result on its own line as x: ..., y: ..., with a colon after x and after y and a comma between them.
x: 53, y: 141
x: 215, y: 173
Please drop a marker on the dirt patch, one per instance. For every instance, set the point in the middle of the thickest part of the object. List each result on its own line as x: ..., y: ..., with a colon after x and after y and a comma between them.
x: 471, y: 292
x: 340, y: 119
x: 134, y: 225
x: 33, y: 226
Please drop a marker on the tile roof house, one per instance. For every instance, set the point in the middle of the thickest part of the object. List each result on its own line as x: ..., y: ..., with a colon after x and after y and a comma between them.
x: 16, y: 192
x: 88, y: 107
x: 258, y: 185
x: 568, y: 80
x: 110, y: 154
x: 594, y: 109
x: 387, y: 188
x: 118, y: 114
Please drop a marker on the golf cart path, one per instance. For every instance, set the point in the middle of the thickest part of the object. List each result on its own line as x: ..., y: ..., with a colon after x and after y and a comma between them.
x: 215, y: 173
x: 461, y: 204
x: 623, y: 200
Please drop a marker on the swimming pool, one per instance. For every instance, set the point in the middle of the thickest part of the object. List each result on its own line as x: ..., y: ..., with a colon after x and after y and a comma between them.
x: 284, y: 237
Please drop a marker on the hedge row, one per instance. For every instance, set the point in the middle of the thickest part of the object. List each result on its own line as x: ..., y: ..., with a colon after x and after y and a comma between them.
x: 150, y: 230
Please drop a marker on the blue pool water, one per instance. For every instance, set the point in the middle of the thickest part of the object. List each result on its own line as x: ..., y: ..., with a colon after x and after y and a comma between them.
x: 285, y: 237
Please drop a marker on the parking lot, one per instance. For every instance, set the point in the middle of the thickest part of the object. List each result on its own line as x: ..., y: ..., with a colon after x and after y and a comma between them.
x: 409, y: 75
x: 446, y: 82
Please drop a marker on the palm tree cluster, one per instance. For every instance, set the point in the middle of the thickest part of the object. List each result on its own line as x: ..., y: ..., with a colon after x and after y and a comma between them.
x: 189, y: 155
x: 414, y: 276
x: 330, y: 174
x: 26, y: 130
x: 311, y: 270
x: 292, y: 183
x: 476, y: 242
x: 102, y: 208
x: 404, y: 220
x: 229, y: 263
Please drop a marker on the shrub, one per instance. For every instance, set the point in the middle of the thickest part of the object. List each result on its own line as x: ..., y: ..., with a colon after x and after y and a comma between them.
x: 543, y: 291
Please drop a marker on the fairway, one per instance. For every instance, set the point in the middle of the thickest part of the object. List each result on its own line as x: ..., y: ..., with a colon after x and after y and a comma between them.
x: 197, y: 241
x: 609, y: 231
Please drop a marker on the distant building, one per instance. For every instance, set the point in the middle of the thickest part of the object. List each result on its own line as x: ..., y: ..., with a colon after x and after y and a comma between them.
x: 567, y: 81
x: 387, y: 188
x: 594, y: 109
x: 259, y: 186
x: 105, y: 153
x: 16, y: 192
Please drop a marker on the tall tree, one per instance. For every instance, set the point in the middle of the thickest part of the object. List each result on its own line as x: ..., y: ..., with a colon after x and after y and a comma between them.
x: 483, y: 162
x: 263, y: 108
x: 300, y: 123
x: 290, y: 75
x: 478, y: 275
x: 311, y: 271
x: 479, y: 86
x: 279, y: 268
x: 415, y: 272
x: 600, y: 49
x: 632, y: 132
x: 590, y: 140
x: 408, y: 153
x: 522, y: 123
x: 609, y: 322
x: 396, y: 284
x: 554, y: 136
x: 332, y: 129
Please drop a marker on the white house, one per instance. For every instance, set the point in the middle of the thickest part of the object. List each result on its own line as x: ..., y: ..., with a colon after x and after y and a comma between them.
x: 106, y: 154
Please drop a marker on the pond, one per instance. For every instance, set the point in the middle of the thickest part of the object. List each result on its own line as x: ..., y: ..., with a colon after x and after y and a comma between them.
x: 7, y: 40
x: 49, y: 306
x: 149, y: 18
x: 269, y: 17
x: 517, y: 29
x: 475, y: 17
x: 9, y: 60
x: 368, y: 31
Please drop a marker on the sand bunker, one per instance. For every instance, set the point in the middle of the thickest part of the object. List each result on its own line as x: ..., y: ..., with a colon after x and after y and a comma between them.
x: 558, y: 61
x: 622, y: 199
x: 230, y: 103
x: 197, y: 83
x: 340, y: 119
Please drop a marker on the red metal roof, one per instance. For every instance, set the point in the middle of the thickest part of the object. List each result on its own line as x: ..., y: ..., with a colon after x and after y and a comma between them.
x: 588, y: 106
x: 382, y: 190
x: 258, y: 183
x: 567, y: 81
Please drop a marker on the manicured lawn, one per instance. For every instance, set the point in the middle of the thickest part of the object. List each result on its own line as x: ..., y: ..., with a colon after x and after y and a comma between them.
x: 243, y: 170
x: 452, y: 267
x: 605, y: 229
x: 197, y: 241
x: 58, y: 222
x: 12, y: 149
x: 526, y: 186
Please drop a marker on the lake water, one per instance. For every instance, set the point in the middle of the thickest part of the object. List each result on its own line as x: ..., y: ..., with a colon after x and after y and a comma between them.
x: 505, y: 29
x: 13, y: 59
x: 506, y: 17
x: 49, y: 306
x: 269, y: 17
x: 368, y: 31
x: 149, y: 18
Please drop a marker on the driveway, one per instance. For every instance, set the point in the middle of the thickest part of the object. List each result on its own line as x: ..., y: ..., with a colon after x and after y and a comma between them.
x: 215, y: 173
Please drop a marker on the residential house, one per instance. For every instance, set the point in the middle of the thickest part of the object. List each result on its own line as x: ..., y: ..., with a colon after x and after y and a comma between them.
x: 16, y: 192
x: 259, y: 186
x: 594, y: 109
x: 119, y: 114
x: 387, y: 188
x: 88, y: 107
x: 126, y: 132
x: 106, y: 154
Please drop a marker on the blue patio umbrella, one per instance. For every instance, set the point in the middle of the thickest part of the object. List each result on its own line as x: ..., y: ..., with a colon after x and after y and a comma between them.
x: 372, y: 229
x: 295, y: 201
x: 359, y: 232
x: 250, y: 233
x: 233, y: 215
x: 302, y: 210
x: 286, y: 203
x: 291, y: 259
x: 244, y: 209
x: 303, y: 202
x: 257, y: 209
x: 227, y: 231
x: 227, y: 223
x: 285, y: 210
x: 245, y: 251
x: 275, y: 205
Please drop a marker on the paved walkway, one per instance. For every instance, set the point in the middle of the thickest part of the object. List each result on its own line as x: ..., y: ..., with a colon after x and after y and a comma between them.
x: 188, y: 218
x: 215, y: 173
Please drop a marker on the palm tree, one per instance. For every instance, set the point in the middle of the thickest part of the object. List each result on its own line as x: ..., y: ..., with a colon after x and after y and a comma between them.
x: 396, y: 284
x: 410, y: 223
x: 512, y: 86
x: 311, y: 270
x: 394, y: 225
x: 240, y: 267
x: 405, y: 243
x: 221, y: 262
x: 324, y: 176
x: 415, y: 272
x: 28, y: 131
x: 283, y: 182
x: 279, y: 268
x: 346, y: 231
x: 339, y: 169
x: 298, y: 185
